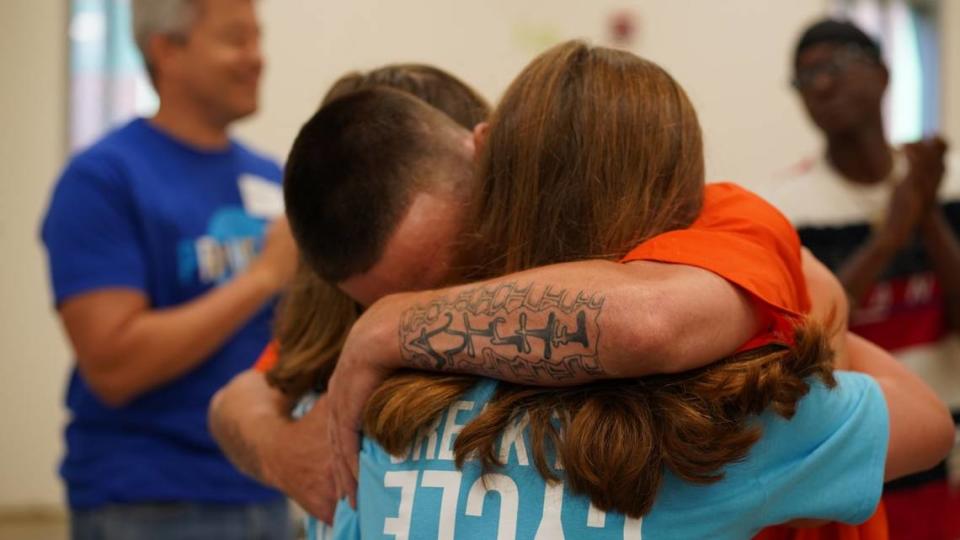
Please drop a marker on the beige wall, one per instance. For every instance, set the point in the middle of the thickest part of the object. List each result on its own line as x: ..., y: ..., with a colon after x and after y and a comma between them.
x: 730, y: 55
x: 32, y: 106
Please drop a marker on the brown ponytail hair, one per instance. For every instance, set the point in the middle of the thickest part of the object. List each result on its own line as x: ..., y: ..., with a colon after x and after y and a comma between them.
x: 314, y: 316
x: 598, y: 147
x: 601, y: 150
x: 313, y: 319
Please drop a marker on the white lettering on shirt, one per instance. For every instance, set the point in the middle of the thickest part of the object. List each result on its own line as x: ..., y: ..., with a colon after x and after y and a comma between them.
x: 551, y: 526
x: 396, y: 460
x: 919, y: 290
x: 429, y: 436
x: 513, y: 437
x: 239, y: 253
x: 876, y: 306
x: 451, y: 428
x: 509, y: 502
x: 399, y: 526
x: 596, y: 518
x: 210, y: 259
x: 217, y: 260
x: 449, y: 482
x: 633, y: 529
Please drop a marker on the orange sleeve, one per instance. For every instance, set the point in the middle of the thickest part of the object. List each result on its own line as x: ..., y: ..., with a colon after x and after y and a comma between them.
x: 268, y: 358
x: 748, y: 242
x: 875, y: 528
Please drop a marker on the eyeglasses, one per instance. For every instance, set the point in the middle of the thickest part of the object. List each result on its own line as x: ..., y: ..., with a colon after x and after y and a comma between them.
x: 834, y: 67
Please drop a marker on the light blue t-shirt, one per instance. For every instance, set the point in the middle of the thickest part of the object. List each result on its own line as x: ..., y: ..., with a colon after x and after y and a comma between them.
x: 826, y: 463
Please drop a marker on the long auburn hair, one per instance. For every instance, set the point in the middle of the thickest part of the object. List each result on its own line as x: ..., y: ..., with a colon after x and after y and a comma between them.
x: 314, y: 316
x: 602, y: 150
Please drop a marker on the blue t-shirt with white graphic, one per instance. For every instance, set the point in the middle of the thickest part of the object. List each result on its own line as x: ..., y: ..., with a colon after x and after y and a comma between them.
x: 826, y: 463
x: 144, y: 211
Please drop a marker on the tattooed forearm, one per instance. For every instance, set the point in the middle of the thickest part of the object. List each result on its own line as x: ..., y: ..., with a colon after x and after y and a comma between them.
x: 529, y: 333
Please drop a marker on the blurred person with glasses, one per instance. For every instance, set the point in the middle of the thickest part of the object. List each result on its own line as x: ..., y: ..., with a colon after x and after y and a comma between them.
x: 884, y: 219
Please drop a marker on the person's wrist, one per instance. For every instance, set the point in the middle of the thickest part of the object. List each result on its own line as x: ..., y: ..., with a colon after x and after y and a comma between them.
x: 387, y: 334
x: 269, y: 452
x: 890, y: 239
x: 267, y: 420
x: 932, y: 220
x: 265, y: 278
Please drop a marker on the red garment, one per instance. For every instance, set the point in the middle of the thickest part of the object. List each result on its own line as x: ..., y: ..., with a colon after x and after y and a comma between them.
x: 268, y: 358
x: 875, y: 528
x: 925, y: 512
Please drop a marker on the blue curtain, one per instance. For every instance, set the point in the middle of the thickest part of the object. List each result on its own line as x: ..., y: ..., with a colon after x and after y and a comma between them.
x: 108, y: 84
x: 909, y: 35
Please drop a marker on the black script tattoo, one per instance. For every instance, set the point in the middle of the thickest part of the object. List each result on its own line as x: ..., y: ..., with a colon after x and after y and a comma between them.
x: 531, y: 333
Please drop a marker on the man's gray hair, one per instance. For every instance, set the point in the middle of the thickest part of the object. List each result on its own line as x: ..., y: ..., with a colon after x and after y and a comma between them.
x: 164, y: 17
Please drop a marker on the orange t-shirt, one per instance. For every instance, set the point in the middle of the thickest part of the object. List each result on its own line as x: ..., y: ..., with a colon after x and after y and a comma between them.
x: 748, y: 242
x: 268, y: 358
x: 875, y: 528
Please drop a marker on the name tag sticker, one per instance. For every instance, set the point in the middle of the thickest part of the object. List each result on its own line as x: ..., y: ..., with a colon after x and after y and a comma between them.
x: 261, y: 198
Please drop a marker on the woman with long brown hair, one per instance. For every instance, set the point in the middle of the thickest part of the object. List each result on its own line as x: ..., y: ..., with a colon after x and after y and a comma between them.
x: 591, y: 153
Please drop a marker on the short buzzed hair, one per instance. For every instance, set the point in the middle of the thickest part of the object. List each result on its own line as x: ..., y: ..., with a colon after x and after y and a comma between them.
x: 433, y: 85
x: 353, y: 170
x: 840, y: 32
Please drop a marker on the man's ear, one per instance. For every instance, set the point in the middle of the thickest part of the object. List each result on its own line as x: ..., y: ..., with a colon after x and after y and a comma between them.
x: 161, y: 49
x: 480, y: 133
x: 884, y: 76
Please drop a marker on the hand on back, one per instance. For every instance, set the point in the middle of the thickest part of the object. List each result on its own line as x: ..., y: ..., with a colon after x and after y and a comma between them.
x: 302, y: 465
x: 356, y: 378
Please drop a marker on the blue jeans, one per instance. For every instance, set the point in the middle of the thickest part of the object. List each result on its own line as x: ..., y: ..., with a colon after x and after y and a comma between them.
x: 183, y: 521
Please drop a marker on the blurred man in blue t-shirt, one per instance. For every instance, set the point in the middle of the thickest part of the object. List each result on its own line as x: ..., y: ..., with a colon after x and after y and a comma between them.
x: 164, y: 268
